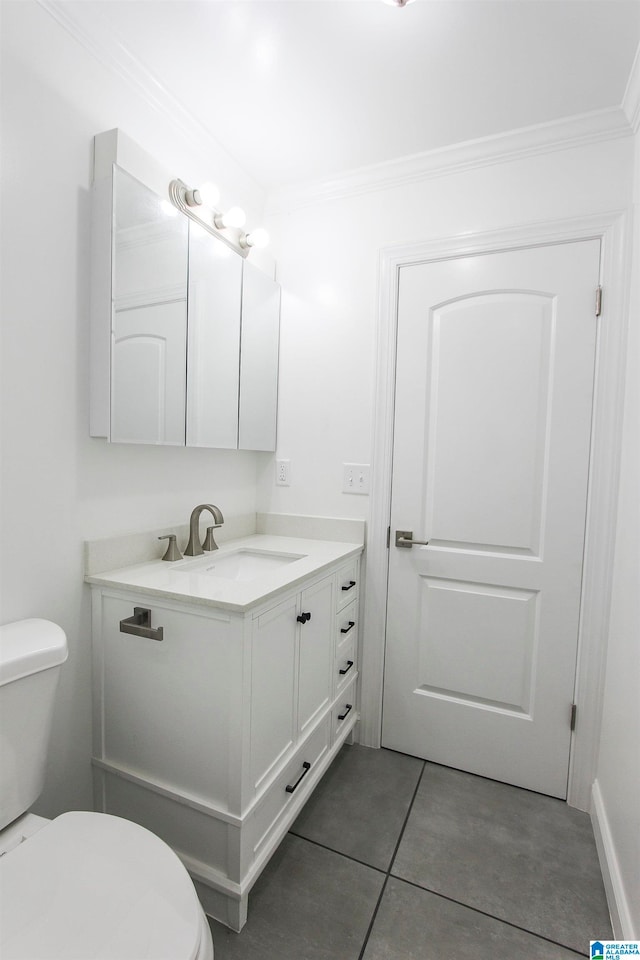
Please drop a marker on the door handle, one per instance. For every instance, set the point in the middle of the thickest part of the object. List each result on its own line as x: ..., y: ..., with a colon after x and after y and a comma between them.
x: 404, y: 538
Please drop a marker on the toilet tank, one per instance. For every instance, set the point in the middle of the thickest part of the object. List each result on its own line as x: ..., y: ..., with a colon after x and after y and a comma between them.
x: 31, y: 652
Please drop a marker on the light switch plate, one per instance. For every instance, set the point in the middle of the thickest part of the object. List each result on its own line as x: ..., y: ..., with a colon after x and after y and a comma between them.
x: 355, y: 478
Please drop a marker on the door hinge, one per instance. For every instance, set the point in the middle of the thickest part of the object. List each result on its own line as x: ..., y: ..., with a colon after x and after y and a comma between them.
x: 388, y: 537
x: 574, y: 710
x: 598, y: 301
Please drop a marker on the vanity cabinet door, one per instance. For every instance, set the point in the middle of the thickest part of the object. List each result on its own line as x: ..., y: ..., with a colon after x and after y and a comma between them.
x: 273, y: 682
x: 316, y: 653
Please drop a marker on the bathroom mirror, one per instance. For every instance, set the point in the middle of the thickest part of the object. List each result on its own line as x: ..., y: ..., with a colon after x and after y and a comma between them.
x: 213, y: 382
x: 184, y: 331
x: 149, y: 321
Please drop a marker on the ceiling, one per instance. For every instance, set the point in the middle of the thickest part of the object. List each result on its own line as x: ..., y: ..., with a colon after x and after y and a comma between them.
x: 304, y: 90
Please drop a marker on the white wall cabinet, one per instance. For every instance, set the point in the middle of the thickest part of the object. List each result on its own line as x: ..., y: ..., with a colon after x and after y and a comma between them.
x: 216, y: 734
x: 184, y: 332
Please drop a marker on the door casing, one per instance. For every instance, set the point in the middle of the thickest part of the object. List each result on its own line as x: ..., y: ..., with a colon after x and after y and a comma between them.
x: 613, y: 229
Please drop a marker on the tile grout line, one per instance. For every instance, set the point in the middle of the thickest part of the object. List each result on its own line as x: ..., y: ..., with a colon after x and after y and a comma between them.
x: 490, y: 916
x: 391, y: 861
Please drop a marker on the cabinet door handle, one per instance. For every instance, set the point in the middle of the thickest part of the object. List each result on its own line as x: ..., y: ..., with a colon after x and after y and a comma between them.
x: 303, y: 617
x: 352, y: 624
x: 290, y: 787
x: 351, y: 584
x: 140, y: 625
x: 347, y: 668
x: 348, y: 707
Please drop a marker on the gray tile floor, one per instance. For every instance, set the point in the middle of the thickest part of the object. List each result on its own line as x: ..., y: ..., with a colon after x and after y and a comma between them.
x: 396, y: 859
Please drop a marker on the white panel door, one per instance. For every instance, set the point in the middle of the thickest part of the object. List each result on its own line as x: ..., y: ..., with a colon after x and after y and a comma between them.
x: 494, y: 387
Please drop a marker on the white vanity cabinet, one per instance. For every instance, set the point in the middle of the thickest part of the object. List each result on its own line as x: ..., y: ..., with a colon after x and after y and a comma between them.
x: 215, y: 730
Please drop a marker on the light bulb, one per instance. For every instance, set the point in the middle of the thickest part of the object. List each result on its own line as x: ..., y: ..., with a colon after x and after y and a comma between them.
x: 209, y: 193
x: 257, y: 238
x: 234, y: 217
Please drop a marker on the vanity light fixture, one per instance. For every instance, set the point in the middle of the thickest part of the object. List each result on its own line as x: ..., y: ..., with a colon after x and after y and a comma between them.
x: 210, y: 194
x: 258, y: 238
x: 234, y: 217
x: 196, y: 203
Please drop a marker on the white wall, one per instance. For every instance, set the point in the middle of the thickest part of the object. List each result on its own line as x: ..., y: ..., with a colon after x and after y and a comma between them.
x: 59, y: 486
x: 618, y: 776
x: 327, y: 261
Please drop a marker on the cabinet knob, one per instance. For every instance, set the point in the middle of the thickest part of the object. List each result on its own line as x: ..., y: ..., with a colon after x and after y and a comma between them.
x: 303, y: 617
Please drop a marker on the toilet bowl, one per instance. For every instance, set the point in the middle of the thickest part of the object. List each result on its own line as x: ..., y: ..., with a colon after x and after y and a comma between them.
x: 84, y: 884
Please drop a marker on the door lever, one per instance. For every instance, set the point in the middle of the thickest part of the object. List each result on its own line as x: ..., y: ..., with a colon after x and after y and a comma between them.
x: 404, y: 538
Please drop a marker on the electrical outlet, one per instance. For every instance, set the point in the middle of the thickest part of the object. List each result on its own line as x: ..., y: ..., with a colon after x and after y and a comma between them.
x: 283, y: 473
x: 355, y: 478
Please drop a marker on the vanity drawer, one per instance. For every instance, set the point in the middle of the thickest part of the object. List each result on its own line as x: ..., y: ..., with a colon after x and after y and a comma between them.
x: 291, y: 784
x: 344, y: 713
x: 346, y: 666
x: 347, y: 580
x: 346, y: 626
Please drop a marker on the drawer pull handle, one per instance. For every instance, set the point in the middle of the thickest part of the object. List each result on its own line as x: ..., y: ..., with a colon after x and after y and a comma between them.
x: 140, y: 625
x: 352, y: 624
x: 347, y: 668
x: 348, y: 706
x: 290, y: 787
x: 303, y: 617
x: 351, y: 584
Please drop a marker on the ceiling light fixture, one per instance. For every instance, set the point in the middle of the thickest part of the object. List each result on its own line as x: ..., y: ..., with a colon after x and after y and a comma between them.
x: 398, y: 3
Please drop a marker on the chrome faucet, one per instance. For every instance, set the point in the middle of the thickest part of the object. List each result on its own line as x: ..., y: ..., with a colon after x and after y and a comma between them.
x: 194, y: 547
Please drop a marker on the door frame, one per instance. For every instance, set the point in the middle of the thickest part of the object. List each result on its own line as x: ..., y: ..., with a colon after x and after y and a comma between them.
x: 613, y: 230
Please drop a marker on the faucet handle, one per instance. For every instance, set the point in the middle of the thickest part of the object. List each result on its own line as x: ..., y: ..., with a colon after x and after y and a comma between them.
x: 209, y: 543
x: 172, y: 549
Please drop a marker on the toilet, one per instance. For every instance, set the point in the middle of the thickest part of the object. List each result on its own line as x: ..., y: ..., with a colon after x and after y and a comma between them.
x: 84, y: 884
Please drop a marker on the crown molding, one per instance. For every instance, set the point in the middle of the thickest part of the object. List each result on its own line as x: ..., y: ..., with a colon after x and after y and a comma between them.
x: 100, y: 42
x: 579, y: 130
x: 631, y: 99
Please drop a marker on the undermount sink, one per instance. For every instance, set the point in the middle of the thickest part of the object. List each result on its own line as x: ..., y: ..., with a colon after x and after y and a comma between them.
x: 241, y: 564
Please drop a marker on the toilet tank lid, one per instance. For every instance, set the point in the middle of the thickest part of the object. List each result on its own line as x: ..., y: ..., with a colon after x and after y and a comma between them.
x: 28, y: 646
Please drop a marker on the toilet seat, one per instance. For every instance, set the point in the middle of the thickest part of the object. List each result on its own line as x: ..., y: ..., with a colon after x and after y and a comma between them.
x: 89, y: 885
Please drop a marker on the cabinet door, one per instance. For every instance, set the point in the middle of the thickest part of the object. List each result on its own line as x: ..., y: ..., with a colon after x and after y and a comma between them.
x: 168, y: 705
x: 316, y: 652
x: 259, y: 360
x: 273, y: 673
x: 213, y: 362
x: 149, y: 318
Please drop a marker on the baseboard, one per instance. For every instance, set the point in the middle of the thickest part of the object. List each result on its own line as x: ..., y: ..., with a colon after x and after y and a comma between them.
x: 621, y: 920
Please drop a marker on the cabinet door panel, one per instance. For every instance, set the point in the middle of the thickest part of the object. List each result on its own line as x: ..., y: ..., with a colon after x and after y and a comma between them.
x: 316, y: 653
x: 149, y: 317
x: 167, y: 705
x: 259, y: 360
x: 273, y: 673
x: 213, y: 379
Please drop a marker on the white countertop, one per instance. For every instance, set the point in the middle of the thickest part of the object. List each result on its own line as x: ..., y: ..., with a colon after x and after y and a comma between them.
x: 187, y: 580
